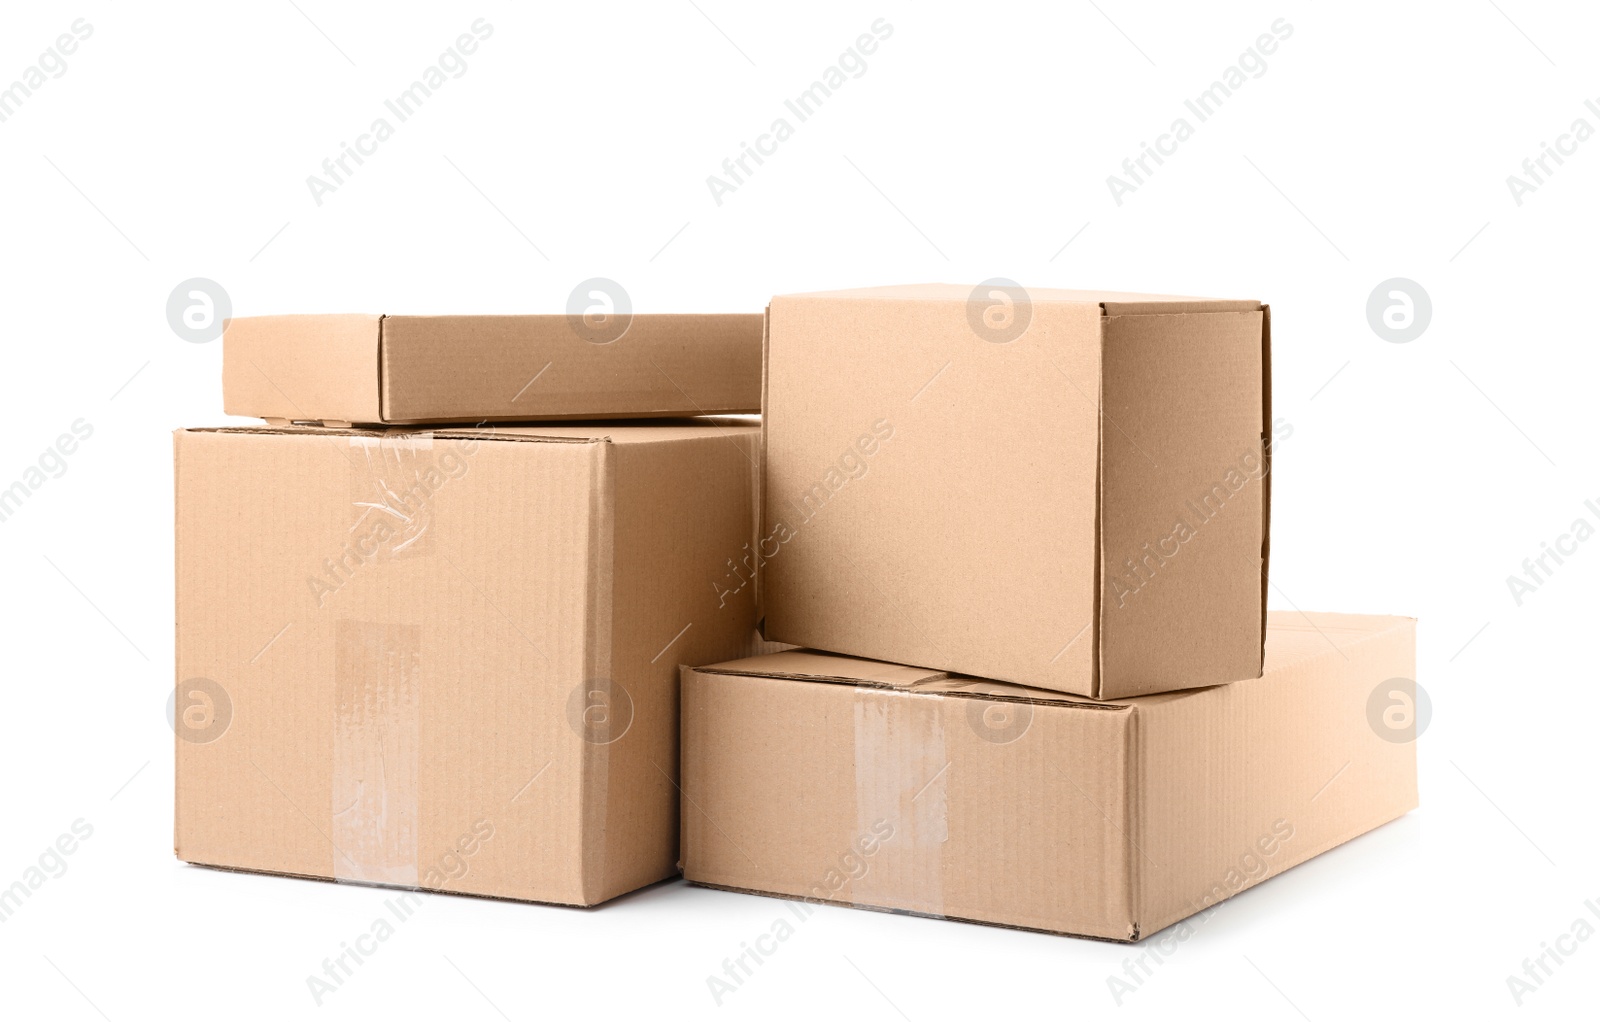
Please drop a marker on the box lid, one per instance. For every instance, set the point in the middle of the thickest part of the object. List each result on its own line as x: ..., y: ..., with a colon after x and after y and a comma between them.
x: 339, y: 369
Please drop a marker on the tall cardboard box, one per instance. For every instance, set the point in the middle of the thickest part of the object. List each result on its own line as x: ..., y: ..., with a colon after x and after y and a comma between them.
x: 1062, y: 489
x: 343, y: 369
x: 447, y: 659
x: 832, y: 779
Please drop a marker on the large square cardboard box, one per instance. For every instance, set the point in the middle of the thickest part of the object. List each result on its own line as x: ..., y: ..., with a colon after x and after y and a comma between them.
x: 825, y: 778
x: 343, y: 369
x: 448, y: 660
x: 1062, y: 489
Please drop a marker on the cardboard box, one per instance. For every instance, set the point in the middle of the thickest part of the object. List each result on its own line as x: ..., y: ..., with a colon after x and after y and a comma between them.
x: 826, y: 778
x: 448, y: 659
x: 1062, y: 489
x: 339, y: 370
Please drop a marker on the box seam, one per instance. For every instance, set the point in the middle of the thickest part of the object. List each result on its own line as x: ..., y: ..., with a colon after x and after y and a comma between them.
x: 595, y: 758
x: 382, y: 377
x: 761, y: 475
x: 1076, y: 702
x: 1097, y: 678
x: 1133, y: 753
x: 1266, y: 477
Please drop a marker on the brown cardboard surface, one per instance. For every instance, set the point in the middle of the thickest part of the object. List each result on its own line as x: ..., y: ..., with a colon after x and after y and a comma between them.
x: 1190, y: 388
x: 303, y: 367
x: 340, y: 369
x: 826, y: 778
x: 931, y: 497
x: 408, y: 634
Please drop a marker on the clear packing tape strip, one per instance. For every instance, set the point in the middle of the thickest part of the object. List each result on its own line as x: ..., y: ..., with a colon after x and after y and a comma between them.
x: 902, y: 771
x: 378, y: 670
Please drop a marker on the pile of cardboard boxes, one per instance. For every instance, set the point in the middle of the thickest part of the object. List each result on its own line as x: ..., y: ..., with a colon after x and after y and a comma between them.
x: 970, y: 623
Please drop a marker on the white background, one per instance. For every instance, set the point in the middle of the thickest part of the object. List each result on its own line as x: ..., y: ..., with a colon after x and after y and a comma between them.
x: 977, y: 144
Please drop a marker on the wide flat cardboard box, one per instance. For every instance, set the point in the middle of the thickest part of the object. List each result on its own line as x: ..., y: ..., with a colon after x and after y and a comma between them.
x: 448, y: 659
x: 343, y: 369
x: 825, y: 778
x: 1066, y: 490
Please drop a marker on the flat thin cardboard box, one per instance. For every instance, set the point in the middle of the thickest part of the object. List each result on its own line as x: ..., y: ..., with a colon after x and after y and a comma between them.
x: 1062, y: 489
x: 447, y: 659
x: 827, y: 778
x: 343, y: 369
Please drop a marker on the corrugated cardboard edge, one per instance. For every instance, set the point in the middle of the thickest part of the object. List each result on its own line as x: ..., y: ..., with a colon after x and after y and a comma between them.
x: 1096, y: 681
x: 1133, y: 824
x: 379, y: 432
x: 906, y: 912
x: 391, y: 887
x: 177, y: 628
x: 1266, y: 477
x: 761, y: 473
x: 382, y: 378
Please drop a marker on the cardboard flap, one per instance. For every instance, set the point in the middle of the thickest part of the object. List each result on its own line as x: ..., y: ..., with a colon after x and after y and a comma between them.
x: 624, y: 432
x: 303, y: 367
x: 814, y: 665
x: 591, y: 433
x: 1167, y: 305
x: 836, y: 668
